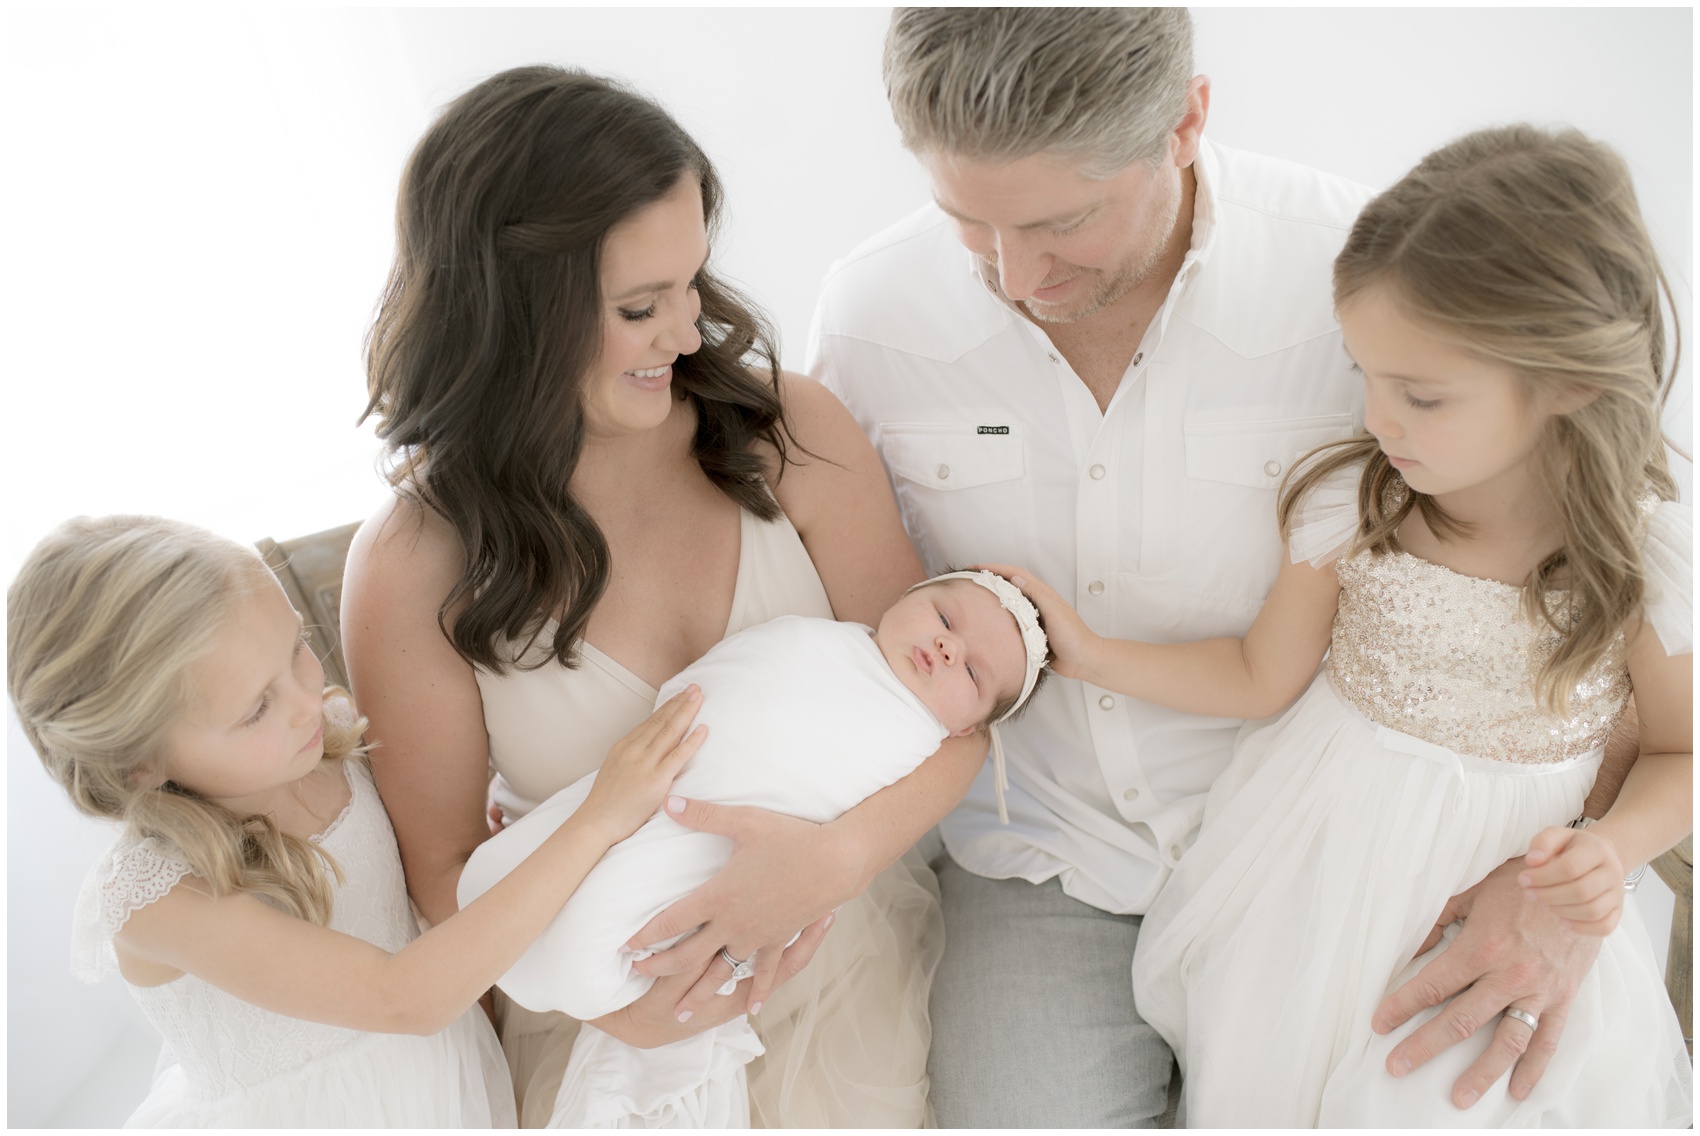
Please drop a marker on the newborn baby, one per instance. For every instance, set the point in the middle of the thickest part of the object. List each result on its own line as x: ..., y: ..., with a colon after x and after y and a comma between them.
x: 806, y: 717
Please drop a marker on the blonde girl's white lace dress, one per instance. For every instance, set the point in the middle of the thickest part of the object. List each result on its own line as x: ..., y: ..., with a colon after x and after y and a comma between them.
x: 1415, y: 764
x: 228, y: 1064
x: 846, y: 1040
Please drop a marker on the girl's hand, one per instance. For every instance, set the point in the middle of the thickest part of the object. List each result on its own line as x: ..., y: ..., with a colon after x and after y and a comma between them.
x: 1579, y: 875
x: 1076, y: 648
x: 640, y: 768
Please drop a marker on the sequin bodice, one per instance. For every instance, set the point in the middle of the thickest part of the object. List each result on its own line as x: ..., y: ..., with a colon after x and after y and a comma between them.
x: 1451, y: 659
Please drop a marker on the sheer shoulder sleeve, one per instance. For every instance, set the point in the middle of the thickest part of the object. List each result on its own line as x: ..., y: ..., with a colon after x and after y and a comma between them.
x: 129, y: 877
x: 1326, y: 519
x: 1668, y: 555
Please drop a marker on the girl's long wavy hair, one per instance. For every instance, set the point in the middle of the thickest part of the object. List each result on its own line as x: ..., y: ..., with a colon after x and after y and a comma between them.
x: 493, y: 315
x: 102, y: 626
x: 1526, y: 247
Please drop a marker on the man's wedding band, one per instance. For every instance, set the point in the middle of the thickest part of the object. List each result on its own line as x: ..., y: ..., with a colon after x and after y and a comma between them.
x: 1523, y: 1016
x: 740, y: 970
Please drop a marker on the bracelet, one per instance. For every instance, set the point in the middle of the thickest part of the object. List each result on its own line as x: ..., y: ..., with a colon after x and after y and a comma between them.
x: 1633, y: 879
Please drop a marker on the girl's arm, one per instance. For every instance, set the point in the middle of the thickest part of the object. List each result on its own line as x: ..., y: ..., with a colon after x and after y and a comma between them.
x: 291, y: 966
x: 1579, y: 872
x: 1252, y: 677
x: 787, y: 873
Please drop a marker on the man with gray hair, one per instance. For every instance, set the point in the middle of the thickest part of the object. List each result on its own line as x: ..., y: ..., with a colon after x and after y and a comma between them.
x: 1108, y: 390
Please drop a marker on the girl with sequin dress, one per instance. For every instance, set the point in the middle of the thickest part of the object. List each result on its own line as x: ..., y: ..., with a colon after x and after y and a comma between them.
x: 254, y: 901
x: 1491, y: 570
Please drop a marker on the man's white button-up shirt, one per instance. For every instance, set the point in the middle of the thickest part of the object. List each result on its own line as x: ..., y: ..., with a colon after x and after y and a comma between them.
x: 1155, y: 518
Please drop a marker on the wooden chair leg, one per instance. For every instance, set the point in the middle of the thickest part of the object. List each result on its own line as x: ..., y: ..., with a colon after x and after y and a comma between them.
x: 1676, y: 868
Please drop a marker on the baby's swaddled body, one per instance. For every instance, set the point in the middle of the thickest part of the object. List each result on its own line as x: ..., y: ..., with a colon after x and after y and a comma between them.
x: 804, y: 717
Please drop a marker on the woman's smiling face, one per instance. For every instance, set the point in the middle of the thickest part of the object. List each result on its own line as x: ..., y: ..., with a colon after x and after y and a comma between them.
x: 650, y: 306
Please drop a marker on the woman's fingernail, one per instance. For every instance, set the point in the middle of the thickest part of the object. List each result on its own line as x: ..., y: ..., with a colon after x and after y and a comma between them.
x: 827, y: 922
x: 1468, y: 1097
x: 675, y: 804
x: 1400, y: 1066
x: 685, y: 1015
x: 755, y: 1008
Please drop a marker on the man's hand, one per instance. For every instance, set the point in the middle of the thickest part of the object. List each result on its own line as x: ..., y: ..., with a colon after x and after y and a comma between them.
x: 1512, y: 952
x: 784, y: 874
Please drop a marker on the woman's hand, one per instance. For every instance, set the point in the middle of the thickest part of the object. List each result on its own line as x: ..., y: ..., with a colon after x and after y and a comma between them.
x: 641, y: 767
x: 655, y: 1019
x: 1579, y: 875
x: 784, y: 874
x: 1076, y: 648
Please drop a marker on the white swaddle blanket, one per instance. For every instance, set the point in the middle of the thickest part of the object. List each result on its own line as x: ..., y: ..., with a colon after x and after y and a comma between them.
x: 804, y: 717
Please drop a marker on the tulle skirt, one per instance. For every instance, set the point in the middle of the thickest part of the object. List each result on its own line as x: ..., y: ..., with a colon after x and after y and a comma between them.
x: 1329, y: 847
x: 846, y: 1040
x: 457, y: 1078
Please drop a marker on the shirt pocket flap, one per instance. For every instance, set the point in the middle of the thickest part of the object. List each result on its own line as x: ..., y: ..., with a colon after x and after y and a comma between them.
x: 950, y: 457
x: 1258, y: 454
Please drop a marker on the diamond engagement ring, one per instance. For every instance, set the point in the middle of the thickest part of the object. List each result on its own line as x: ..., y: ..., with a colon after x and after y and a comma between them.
x: 1523, y: 1016
x: 740, y: 971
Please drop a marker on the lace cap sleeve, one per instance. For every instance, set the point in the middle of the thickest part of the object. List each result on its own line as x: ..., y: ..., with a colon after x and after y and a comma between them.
x: 1326, y: 519
x: 1668, y: 555
x: 129, y: 877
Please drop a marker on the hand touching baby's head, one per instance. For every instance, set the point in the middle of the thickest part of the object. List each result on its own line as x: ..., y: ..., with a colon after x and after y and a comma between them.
x: 954, y: 645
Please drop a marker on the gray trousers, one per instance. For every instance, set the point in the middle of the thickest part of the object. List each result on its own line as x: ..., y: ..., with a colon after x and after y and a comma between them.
x: 1033, y: 1018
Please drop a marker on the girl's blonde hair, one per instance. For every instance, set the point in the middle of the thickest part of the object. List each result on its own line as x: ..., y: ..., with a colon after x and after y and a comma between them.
x: 1526, y: 248
x: 102, y: 626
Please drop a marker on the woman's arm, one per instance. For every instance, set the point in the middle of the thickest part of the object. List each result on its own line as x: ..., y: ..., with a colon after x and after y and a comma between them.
x: 1252, y: 677
x: 430, y: 754
x: 786, y: 873
x: 291, y: 966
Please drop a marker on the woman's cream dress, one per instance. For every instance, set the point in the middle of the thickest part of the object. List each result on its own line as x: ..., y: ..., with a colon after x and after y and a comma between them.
x: 847, y: 1038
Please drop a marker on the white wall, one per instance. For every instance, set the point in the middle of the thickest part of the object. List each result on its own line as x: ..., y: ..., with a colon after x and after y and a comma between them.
x: 199, y: 208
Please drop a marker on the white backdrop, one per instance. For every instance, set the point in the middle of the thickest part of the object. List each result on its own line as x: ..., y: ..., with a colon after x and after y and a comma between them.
x: 200, y: 208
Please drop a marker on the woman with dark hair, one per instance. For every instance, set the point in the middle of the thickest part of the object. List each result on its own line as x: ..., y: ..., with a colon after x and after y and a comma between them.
x: 599, y: 473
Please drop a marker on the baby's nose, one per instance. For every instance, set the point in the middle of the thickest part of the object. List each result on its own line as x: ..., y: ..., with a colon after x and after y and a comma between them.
x: 949, y: 650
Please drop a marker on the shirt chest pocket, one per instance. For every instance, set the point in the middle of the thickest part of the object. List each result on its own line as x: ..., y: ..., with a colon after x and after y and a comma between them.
x: 963, y: 493
x: 1258, y: 454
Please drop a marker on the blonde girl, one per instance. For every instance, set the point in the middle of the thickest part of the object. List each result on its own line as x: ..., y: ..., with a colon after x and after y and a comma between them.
x: 1490, y: 570
x: 254, y: 901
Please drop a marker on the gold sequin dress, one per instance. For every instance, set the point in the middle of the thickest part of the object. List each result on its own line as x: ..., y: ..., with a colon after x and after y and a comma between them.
x: 1416, y: 763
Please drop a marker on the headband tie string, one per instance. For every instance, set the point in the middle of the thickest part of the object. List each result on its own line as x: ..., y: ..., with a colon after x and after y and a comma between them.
x: 1032, y: 640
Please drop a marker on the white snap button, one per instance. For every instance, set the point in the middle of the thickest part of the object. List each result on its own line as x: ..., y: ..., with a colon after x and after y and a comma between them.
x: 1138, y: 358
x: 1271, y: 468
x: 1096, y: 587
x: 1097, y: 472
x: 1175, y: 851
x: 1052, y: 356
x: 944, y: 472
x: 1106, y: 703
x: 1130, y: 794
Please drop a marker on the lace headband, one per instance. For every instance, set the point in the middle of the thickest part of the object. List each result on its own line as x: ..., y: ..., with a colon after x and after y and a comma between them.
x: 1032, y: 640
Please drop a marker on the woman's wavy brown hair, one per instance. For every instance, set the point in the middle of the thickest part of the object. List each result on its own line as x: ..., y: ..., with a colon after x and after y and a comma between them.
x: 492, y: 316
x: 1526, y: 248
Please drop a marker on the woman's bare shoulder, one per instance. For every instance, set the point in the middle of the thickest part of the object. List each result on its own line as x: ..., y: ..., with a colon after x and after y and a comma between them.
x: 404, y: 544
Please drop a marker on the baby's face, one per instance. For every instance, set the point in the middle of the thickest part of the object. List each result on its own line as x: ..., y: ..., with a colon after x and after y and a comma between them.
x: 956, y: 648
